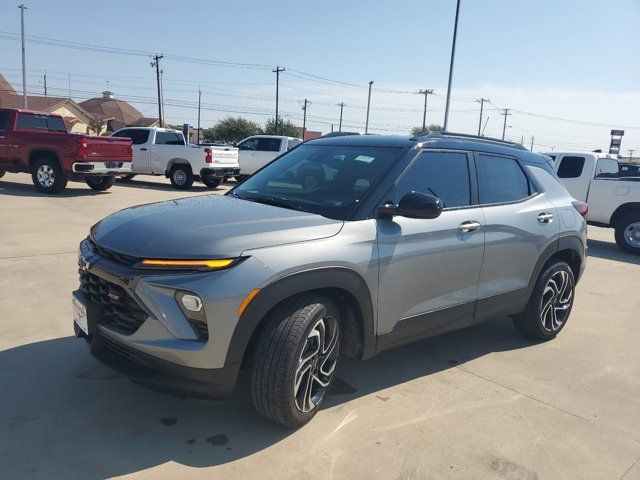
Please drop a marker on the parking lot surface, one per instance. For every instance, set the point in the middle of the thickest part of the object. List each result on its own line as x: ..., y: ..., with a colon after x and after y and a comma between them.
x: 478, y: 403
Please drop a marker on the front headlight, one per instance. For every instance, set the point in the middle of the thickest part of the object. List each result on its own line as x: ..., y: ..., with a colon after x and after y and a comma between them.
x: 203, y: 265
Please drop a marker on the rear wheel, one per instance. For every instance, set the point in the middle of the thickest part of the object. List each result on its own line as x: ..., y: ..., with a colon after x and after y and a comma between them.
x: 102, y: 183
x: 550, y: 304
x: 47, y: 176
x: 212, y: 182
x: 181, y: 177
x: 296, y: 359
x: 628, y: 232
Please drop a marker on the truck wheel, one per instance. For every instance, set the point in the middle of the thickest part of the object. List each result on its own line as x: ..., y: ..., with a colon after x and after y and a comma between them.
x: 628, y: 233
x: 2, y: 172
x: 295, y: 359
x: 212, y: 182
x: 181, y: 177
x: 101, y: 183
x: 47, y: 176
x: 550, y: 304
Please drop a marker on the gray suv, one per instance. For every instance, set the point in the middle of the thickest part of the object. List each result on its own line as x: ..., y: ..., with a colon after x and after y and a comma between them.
x: 342, y: 246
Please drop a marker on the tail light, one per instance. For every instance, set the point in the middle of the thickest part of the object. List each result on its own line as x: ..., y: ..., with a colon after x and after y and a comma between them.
x: 82, y: 146
x: 209, y: 157
x: 581, y: 207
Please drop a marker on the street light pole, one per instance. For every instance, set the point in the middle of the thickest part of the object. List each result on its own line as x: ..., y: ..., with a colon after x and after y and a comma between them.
x: 277, y: 71
x: 341, y: 105
x: 482, y: 100
x: 24, y: 59
x: 198, y: 134
x: 304, y: 118
x: 426, y: 93
x: 366, y: 125
x: 453, y: 54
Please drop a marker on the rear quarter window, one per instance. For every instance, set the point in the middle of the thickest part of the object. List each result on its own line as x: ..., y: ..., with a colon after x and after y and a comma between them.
x: 571, y: 167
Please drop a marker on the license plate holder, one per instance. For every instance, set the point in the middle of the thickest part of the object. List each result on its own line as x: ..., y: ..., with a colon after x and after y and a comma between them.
x: 80, y: 314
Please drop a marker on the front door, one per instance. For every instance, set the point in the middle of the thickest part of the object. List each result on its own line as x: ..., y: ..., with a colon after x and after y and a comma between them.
x: 429, y: 268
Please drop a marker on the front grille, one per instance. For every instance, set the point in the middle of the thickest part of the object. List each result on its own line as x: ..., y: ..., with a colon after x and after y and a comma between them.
x: 119, y: 309
x: 116, y: 257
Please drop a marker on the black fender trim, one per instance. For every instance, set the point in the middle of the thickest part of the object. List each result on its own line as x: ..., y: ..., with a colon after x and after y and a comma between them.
x: 274, y: 293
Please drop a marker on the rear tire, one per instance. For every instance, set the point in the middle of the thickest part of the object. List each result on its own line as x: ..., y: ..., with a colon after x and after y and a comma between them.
x: 550, y: 304
x: 47, y: 176
x: 181, y: 177
x: 628, y: 232
x: 102, y: 183
x: 213, y: 182
x: 295, y: 360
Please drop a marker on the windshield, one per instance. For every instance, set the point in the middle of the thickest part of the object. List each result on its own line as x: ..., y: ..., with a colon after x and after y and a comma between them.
x: 327, y: 180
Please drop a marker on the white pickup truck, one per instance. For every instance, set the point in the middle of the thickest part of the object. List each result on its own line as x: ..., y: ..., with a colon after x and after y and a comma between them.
x: 162, y: 151
x: 613, y: 199
x: 258, y: 150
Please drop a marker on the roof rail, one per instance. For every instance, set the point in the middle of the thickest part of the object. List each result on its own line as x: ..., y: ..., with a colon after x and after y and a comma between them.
x: 469, y: 136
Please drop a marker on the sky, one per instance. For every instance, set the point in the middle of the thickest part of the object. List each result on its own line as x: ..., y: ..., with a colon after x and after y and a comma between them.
x: 569, y: 70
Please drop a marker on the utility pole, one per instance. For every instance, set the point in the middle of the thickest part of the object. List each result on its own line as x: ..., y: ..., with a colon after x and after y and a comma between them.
x: 532, y: 140
x: 304, y: 118
x: 426, y: 93
x: 341, y: 105
x: 24, y: 59
x: 198, y: 134
x: 482, y: 100
x: 44, y: 79
x: 156, y: 64
x: 631, y: 155
x: 504, y: 126
x: 69, y: 82
x: 366, y: 125
x: 277, y: 71
x: 453, y: 54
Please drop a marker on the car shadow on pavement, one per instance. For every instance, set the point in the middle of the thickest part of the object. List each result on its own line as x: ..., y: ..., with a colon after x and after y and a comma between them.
x: 196, y: 187
x: 65, y: 415
x: 610, y: 251
x: 73, y: 189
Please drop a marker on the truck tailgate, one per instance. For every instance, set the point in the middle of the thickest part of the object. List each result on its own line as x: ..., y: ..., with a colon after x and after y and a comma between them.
x: 224, y: 154
x: 99, y: 149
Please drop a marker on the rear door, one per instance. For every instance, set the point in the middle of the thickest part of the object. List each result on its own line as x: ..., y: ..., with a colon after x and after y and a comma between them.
x: 166, y: 146
x: 5, y: 118
x: 246, y: 155
x: 267, y: 149
x: 520, y: 223
x: 429, y: 268
x: 140, y: 147
x: 575, y: 174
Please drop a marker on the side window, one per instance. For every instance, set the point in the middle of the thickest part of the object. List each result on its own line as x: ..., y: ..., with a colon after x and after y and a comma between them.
x: 442, y: 174
x: 4, y: 119
x: 571, y: 167
x: 250, y: 144
x: 501, y: 179
x: 268, y: 144
x: 607, y: 168
x: 168, y: 138
x: 138, y: 137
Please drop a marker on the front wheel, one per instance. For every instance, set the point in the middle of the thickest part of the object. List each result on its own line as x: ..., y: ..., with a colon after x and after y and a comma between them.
x: 47, y: 176
x: 628, y: 233
x: 212, y: 182
x: 550, y: 304
x: 181, y: 177
x: 102, y: 183
x: 295, y: 360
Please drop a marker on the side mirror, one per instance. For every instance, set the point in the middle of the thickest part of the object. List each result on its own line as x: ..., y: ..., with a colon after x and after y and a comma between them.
x: 414, y: 205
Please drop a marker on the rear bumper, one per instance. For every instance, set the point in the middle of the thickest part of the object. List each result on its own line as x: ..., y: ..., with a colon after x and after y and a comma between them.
x: 102, y: 168
x: 220, y: 171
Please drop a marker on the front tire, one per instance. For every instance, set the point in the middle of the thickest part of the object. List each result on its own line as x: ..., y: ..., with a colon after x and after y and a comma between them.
x: 181, y: 177
x: 212, y: 182
x: 100, y: 184
x: 296, y: 359
x: 47, y: 176
x: 550, y: 304
x: 628, y: 233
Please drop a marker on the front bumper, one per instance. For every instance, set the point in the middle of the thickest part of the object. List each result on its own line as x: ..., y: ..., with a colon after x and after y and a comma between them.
x: 102, y: 168
x: 220, y: 172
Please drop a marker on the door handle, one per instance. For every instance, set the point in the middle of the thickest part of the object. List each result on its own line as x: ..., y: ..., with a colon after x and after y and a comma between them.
x: 143, y: 149
x: 545, y: 217
x: 469, y: 226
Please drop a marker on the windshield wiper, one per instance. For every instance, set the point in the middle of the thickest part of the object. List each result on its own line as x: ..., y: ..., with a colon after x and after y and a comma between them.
x: 275, y: 202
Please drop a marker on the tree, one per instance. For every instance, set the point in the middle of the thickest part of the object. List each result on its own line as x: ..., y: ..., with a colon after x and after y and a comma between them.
x: 285, y: 127
x: 432, y: 128
x: 231, y: 129
x: 96, y: 125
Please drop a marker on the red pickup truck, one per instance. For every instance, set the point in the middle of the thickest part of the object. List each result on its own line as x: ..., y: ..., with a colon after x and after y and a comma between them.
x: 38, y: 143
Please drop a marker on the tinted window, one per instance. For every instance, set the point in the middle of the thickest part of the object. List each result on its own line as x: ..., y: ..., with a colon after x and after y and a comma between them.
x: 607, y: 168
x: 27, y: 121
x: 138, y: 137
x: 327, y: 180
x: 169, y: 138
x: 268, y: 144
x: 500, y: 179
x: 4, y: 120
x: 571, y: 167
x: 442, y: 174
x: 251, y: 144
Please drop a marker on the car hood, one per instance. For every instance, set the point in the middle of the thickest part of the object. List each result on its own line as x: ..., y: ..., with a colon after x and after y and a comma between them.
x: 209, y: 226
